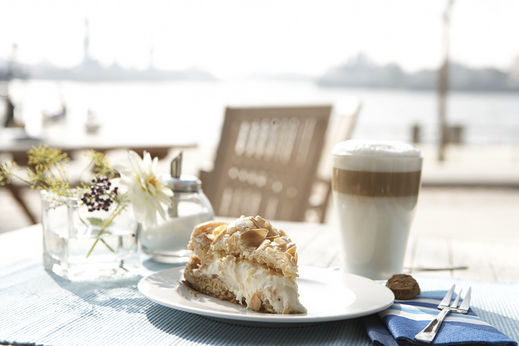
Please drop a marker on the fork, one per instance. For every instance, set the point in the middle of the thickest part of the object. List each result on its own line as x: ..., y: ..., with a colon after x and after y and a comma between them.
x: 428, y: 334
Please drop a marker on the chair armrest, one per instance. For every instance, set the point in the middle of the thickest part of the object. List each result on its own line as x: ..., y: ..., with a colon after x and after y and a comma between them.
x: 320, y: 198
x: 207, y: 183
x: 204, y: 175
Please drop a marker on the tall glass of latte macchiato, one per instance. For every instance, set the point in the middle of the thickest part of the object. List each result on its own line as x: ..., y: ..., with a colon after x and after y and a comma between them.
x: 375, y: 189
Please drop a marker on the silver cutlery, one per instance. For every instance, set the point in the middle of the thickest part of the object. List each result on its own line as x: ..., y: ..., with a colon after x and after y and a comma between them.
x: 428, y: 334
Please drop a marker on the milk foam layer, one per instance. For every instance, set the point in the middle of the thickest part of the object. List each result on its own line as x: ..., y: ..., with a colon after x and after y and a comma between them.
x: 376, y: 156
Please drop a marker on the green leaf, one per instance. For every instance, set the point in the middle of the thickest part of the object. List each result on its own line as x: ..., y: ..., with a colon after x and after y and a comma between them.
x: 95, y: 221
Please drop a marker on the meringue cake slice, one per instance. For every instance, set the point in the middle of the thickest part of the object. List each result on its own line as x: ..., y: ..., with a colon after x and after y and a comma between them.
x: 248, y: 262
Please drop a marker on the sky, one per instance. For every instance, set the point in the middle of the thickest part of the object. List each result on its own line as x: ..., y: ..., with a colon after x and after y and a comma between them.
x: 233, y: 39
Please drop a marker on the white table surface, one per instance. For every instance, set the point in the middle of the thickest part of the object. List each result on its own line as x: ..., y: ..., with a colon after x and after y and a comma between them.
x: 97, y: 313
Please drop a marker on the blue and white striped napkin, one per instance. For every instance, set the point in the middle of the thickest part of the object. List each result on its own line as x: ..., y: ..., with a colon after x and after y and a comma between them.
x: 405, y: 318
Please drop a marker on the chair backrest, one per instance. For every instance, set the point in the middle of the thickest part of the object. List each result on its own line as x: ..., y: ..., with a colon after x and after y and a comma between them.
x: 266, y: 161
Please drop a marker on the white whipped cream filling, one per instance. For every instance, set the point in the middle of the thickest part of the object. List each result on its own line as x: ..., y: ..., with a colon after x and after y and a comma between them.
x: 244, y: 279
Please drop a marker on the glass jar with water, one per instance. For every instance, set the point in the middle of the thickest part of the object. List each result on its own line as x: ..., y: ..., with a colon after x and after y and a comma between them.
x: 78, y: 247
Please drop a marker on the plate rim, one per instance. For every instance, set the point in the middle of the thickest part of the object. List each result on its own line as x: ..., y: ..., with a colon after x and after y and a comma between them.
x: 258, y: 317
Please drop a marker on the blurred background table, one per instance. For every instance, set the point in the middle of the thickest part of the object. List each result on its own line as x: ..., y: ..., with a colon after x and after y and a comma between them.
x: 14, y: 143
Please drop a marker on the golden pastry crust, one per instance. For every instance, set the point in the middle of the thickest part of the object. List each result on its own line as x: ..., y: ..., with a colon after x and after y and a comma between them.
x: 250, y: 238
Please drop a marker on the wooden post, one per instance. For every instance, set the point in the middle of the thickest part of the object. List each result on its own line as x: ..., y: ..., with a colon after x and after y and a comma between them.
x: 443, y: 84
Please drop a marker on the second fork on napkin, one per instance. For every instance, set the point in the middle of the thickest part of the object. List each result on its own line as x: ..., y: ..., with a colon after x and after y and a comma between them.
x: 405, y: 318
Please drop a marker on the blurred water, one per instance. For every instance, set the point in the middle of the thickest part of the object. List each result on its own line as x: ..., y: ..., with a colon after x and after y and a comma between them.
x: 194, y: 110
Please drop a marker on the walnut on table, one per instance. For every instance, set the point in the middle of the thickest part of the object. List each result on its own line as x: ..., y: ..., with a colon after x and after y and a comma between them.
x: 403, y: 286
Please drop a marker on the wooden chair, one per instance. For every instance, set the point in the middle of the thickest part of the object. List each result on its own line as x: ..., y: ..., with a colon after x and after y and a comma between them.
x: 266, y: 161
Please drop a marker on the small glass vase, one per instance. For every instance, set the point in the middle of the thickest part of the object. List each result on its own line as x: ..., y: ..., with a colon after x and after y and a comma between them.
x: 75, y: 245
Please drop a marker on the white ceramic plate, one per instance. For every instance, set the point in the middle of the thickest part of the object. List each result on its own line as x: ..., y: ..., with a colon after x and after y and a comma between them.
x: 327, y: 294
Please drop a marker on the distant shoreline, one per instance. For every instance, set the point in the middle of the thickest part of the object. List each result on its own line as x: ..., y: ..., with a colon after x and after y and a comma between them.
x: 313, y: 81
x: 415, y: 89
x: 198, y: 107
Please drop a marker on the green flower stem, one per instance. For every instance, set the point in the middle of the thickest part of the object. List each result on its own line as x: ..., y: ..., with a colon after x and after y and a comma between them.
x: 121, y: 265
x: 94, y: 245
x: 118, y: 210
x: 108, y: 246
x: 26, y: 181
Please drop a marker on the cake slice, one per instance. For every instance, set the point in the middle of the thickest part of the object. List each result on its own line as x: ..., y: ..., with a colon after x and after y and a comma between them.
x: 248, y: 262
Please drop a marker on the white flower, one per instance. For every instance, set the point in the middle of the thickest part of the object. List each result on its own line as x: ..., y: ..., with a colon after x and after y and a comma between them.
x: 147, y: 192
